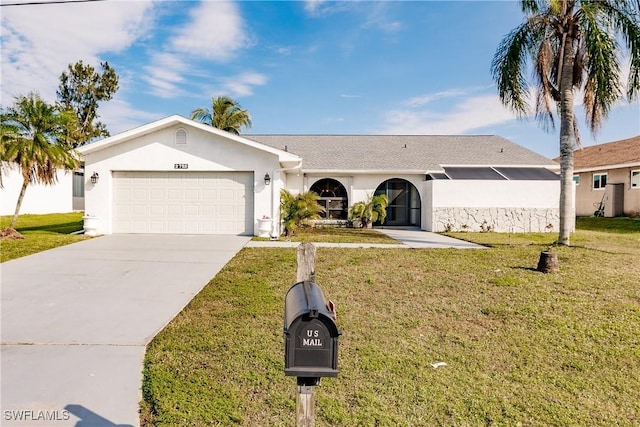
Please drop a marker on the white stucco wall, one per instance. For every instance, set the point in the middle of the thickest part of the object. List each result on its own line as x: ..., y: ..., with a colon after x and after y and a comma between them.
x: 157, y: 152
x: 38, y: 199
x: 517, y: 206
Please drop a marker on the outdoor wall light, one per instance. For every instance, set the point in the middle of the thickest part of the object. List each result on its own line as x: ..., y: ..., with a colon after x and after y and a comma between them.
x: 94, y: 178
x: 267, y: 179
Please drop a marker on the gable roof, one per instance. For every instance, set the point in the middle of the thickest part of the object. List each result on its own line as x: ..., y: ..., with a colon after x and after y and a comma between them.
x: 403, y: 153
x: 283, y: 156
x: 622, y: 153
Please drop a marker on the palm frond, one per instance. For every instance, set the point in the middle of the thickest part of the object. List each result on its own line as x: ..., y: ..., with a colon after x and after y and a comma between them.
x: 624, y: 17
x: 508, y: 68
x: 602, y: 86
x: 203, y: 115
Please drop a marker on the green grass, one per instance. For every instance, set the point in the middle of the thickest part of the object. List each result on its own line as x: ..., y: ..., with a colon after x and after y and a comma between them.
x: 41, y: 232
x: 613, y: 225
x: 521, y: 347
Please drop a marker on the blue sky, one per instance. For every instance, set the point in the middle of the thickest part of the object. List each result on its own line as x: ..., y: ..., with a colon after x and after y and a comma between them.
x: 299, y: 67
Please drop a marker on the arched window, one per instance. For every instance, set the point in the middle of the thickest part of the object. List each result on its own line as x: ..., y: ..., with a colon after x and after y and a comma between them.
x: 181, y: 138
x: 333, y: 198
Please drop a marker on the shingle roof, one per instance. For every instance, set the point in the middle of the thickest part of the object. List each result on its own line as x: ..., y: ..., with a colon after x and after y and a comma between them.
x: 625, y: 151
x: 418, y: 153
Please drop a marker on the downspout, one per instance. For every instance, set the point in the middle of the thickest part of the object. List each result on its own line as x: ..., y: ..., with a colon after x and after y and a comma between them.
x: 275, y: 229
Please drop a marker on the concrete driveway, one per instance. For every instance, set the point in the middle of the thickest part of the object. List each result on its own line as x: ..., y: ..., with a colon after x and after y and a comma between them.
x: 76, y: 320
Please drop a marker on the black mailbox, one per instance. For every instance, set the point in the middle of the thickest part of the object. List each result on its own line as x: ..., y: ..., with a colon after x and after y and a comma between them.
x: 311, y: 334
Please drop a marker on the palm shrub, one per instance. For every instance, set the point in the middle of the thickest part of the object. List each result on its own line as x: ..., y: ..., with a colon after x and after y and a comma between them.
x: 297, y: 210
x: 370, y: 211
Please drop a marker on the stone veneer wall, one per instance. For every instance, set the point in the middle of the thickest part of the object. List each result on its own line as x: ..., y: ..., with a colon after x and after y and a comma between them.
x: 516, y: 220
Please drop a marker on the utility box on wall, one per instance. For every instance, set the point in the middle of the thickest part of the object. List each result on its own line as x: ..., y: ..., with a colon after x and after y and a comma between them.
x: 614, y: 200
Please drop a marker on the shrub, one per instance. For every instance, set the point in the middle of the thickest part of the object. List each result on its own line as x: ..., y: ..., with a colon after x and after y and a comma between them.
x: 373, y: 210
x: 298, y: 210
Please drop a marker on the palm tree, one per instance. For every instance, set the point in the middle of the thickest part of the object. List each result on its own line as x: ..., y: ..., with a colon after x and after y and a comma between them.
x: 226, y: 114
x: 33, y: 138
x: 572, y: 45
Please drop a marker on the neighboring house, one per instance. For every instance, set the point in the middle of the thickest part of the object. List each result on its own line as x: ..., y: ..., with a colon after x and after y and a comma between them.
x: 64, y: 196
x: 608, y: 174
x: 176, y: 175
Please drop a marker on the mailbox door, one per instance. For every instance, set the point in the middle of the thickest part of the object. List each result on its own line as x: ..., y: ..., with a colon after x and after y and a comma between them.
x: 313, y: 345
x: 311, y: 349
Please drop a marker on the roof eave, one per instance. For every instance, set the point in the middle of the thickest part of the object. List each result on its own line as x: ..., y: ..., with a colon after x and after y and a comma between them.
x: 606, y: 167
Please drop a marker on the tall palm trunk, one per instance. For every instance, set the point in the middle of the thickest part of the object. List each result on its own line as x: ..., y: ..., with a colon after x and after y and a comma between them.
x: 567, y: 143
x: 23, y: 190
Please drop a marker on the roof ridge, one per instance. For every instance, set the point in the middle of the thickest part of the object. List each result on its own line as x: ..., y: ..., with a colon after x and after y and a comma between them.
x: 366, y: 134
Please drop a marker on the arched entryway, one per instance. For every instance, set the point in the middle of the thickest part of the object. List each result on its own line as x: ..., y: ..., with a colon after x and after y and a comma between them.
x: 404, y: 202
x: 333, y: 198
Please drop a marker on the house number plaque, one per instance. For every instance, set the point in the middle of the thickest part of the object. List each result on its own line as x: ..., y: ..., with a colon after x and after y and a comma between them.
x: 181, y: 166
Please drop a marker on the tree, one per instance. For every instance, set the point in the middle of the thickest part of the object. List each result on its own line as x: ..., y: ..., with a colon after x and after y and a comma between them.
x: 81, y: 89
x: 226, y: 114
x: 33, y: 139
x: 370, y: 211
x: 572, y: 45
x: 297, y: 210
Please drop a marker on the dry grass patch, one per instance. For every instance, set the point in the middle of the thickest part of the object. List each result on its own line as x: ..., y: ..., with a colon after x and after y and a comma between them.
x: 337, y: 235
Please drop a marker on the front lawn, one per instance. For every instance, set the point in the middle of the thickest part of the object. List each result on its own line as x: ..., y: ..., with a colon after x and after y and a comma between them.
x: 521, y: 347
x: 41, y: 232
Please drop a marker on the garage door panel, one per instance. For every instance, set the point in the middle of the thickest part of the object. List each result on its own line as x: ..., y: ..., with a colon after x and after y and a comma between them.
x: 157, y: 194
x: 174, y: 194
x: 140, y: 194
x: 138, y: 210
x: 183, y: 202
x: 192, y: 211
x: 174, y: 210
x: 210, y: 195
x: 157, y: 211
x: 191, y: 195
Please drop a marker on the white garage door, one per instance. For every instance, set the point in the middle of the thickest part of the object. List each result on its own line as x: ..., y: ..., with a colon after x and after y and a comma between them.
x: 183, y: 202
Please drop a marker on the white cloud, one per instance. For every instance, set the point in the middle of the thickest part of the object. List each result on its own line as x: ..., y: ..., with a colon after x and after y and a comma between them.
x: 318, y: 8
x: 215, y: 32
x: 425, y: 99
x: 38, y: 42
x: 471, y: 113
x: 243, y: 84
x: 314, y: 7
x: 284, y: 50
x: 165, y: 74
x: 119, y: 116
x: 377, y: 16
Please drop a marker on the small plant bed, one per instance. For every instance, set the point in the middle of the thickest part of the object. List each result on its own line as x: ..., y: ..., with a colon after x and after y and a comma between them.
x: 337, y: 235
x: 519, y: 347
x: 40, y: 232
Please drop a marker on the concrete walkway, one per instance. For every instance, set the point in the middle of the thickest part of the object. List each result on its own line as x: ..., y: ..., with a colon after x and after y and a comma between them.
x: 420, y: 239
x: 76, y: 321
